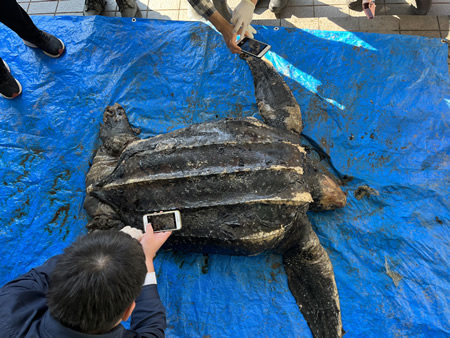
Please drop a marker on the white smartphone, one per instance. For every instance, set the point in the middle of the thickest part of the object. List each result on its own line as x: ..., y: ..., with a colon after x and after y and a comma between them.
x: 163, y: 221
x: 253, y: 47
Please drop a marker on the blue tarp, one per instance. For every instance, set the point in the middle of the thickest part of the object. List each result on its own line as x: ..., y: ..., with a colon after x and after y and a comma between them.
x: 378, y: 104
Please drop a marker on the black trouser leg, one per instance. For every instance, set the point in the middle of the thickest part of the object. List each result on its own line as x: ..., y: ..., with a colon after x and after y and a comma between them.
x: 14, y: 17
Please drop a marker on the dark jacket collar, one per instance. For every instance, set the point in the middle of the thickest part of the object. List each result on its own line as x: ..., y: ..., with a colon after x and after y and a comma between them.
x: 52, y: 328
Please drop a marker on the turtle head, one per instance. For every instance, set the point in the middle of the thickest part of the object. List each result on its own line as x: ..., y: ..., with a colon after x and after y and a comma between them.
x: 327, y: 194
x: 116, y: 131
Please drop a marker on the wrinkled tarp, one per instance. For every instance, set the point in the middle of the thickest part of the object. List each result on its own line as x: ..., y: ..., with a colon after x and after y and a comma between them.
x: 378, y: 104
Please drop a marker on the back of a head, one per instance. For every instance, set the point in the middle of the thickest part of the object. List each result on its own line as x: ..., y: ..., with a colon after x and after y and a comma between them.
x: 95, y: 280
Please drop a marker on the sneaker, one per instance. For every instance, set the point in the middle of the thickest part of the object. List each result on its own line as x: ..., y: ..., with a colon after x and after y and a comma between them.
x: 276, y: 6
x: 422, y: 7
x: 128, y: 8
x: 49, y: 44
x: 355, y: 5
x: 9, y: 86
x: 94, y: 7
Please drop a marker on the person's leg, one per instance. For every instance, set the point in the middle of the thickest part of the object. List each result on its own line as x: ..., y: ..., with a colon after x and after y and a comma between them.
x: 422, y: 7
x: 9, y: 86
x: 128, y: 8
x: 13, y: 16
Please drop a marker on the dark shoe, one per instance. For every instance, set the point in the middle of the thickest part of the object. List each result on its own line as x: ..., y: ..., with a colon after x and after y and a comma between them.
x: 277, y: 6
x: 49, y: 44
x: 422, y: 7
x: 355, y: 5
x: 9, y: 86
x: 93, y: 7
x: 128, y: 8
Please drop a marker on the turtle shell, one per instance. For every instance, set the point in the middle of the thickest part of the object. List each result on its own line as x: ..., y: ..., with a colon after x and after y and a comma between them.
x: 239, y: 185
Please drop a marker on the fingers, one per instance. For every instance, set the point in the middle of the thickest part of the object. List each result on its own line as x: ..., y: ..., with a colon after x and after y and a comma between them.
x: 250, y: 31
x: 162, y: 236
x: 133, y: 232
x: 149, y: 229
x: 237, y: 26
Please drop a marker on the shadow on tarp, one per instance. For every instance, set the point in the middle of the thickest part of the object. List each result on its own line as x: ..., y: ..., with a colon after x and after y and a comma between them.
x: 378, y: 104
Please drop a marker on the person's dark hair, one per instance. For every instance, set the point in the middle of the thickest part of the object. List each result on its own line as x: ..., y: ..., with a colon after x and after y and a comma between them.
x: 95, y: 280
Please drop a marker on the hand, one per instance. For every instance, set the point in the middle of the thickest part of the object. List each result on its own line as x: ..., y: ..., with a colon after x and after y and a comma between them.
x: 230, y: 39
x: 226, y: 29
x: 133, y: 232
x: 242, y: 16
x: 151, y: 241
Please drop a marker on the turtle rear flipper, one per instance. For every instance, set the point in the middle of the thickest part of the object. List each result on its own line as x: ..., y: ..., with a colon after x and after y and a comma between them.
x: 311, y: 281
x: 276, y: 103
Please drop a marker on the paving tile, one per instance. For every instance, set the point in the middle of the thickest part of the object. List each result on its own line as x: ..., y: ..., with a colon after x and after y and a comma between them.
x: 264, y: 13
x: 163, y: 15
x: 360, y: 14
x: 42, y: 7
x: 329, y: 2
x: 24, y: 5
x: 296, y: 3
x: 381, y: 32
x: 164, y: 4
x: 418, y: 22
x: 404, y: 2
x: 304, y: 23
x: 336, y: 11
x: 439, y: 9
x: 71, y: 14
x: 111, y: 13
x: 183, y: 4
x: 297, y: 12
x: 398, y: 9
x: 183, y: 15
x: 444, y: 22
x: 68, y: 6
x: 143, y: 5
x: 234, y: 3
x: 339, y: 24
x: 267, y: 22
x: 379, y: 23
x: 428, y: 34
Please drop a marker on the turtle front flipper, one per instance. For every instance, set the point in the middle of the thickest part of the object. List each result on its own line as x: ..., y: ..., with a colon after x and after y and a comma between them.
x: 276, y: 103
x: 311, y: 281
x: 104, y: 223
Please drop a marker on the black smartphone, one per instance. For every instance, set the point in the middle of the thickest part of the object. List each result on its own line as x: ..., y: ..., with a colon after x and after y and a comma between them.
x: 253, y: 47
x: 163, y: 221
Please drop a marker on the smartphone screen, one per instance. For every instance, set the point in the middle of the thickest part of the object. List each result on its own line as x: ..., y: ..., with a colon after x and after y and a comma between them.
x: 164, y: 221
x: 253, y: 47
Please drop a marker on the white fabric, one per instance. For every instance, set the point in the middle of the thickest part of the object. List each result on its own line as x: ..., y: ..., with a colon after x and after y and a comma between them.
x: 150, y: 278
x: 133, y: 232
x: 242, y: 16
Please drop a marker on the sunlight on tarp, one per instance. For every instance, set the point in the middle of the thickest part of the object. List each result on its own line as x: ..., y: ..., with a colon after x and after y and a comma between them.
x: 351, y: 39
x: 306, y: 80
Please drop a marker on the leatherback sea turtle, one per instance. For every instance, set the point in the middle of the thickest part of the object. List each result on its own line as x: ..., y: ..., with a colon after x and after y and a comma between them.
x: 242, y: 186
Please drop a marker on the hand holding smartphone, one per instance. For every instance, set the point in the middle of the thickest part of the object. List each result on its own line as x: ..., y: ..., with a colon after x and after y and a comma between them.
x: 163, y: 221
x: 253, y: 47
